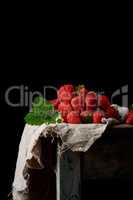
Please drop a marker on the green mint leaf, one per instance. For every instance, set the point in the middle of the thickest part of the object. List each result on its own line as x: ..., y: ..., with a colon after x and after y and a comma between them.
x: 42, y: 112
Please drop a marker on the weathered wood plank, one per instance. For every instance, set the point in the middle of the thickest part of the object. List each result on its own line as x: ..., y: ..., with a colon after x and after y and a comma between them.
x: 70, y: 176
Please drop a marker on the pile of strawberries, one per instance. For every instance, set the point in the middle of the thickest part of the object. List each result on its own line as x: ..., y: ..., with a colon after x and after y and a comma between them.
x: 83, y: 106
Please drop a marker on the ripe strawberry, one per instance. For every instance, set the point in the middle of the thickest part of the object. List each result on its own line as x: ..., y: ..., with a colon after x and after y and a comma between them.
x: 129, y: 118
x: 112, y: 112
x: 86, y: 116
x: 55, y: 102
x: 73, y: 117
x: 130, y: 113
x: 67, y: 88
x: 91, y: 100
x: 129, y: 121
x: 65, y: 93
x: 77, y: 103
x: 65, y: 96
x: 97, y: 117
x: 103, y: 101
x: 64, y: 108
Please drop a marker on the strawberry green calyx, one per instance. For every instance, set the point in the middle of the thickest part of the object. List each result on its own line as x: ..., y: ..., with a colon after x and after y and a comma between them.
x: 77, y: 88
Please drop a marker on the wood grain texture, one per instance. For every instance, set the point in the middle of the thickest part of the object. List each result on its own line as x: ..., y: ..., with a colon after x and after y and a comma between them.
x: 70, y: 176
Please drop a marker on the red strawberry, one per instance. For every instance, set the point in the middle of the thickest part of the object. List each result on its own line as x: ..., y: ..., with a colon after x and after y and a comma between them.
x: 67, y: 88
x: 73, y: 117
x: 129, y: 118
x: 130, y: 113
x: 64, y: 109
x: 103, y: 101
x: 91, y: 100
x: 97, y: 117
x: 129, y: 121
x: 77, y: 103
x: 65, y: 93
x: 65, y: 96
x: 86, y: 116
x: 55, y: 102
x: 112, y: 112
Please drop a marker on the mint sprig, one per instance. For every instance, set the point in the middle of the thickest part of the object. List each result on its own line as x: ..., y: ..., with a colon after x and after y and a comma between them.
x: 42, y: 112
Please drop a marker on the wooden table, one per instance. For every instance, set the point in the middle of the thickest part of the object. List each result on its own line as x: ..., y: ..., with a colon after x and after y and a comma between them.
x: 74, y: 167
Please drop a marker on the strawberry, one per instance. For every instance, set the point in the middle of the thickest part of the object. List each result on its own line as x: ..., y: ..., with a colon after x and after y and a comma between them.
x: 67, y: 88
x: 129, y: 118
x: 73, y: 117
x: 65, y: 96
x: 103, y: 101
x: 77, y: 103
x: 130, y: 113
x: 65, y: 93
x: 55, y: 102
x: 112, y: 112
x: 91, y: 100
x: 64, y: 108
x: 97, y: 117
x: 86, y: 116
